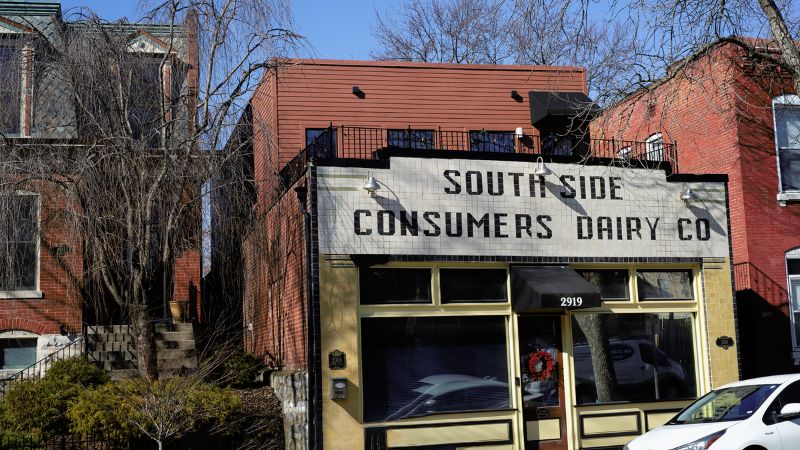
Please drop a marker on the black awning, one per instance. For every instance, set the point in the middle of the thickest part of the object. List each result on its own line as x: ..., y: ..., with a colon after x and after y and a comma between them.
x: 570, y: 104
x: 537, y: 287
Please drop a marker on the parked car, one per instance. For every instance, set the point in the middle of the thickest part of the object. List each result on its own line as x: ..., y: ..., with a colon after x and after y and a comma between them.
x: 757, y: 414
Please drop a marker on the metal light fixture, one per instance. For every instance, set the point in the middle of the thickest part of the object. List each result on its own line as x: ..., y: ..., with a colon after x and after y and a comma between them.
x: 688, y: 195
x: 516, y: 96
x: 358, y: 92
x: 371, y: 186
x: 519, y: 133
x: 541, y: 169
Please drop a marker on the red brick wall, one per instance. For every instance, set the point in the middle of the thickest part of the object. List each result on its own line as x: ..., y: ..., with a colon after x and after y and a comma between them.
x: 719, y: 113
x: 275, y: 297
x: 59, y: 274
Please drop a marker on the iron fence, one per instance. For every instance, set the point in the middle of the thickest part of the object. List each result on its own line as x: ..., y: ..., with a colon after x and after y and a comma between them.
x: 65, y: 442
x: 363, y: 143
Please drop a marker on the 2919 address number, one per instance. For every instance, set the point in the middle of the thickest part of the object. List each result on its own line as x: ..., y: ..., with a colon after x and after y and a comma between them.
x: 568, y: 302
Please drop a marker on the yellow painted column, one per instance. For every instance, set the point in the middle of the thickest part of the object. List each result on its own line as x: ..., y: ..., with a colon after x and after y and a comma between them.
x: 339, y: 331
x: 719, y: 320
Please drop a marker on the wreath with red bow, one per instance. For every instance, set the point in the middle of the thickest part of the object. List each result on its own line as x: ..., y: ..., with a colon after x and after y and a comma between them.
x: 542, y: 366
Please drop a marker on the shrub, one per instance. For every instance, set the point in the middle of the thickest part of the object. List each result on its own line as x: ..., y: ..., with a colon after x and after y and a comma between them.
x: 241, y: 369
x: 101, y: 410
x: 77, y: 371
x: 39, y: 406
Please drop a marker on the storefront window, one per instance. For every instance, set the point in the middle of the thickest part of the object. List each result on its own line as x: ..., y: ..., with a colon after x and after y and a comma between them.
x: 633, y: 357
x: 417, y: 366
x: 664, y: 285
x: 473, y: 285
x: 793, y: 268
x: 395, y: 286
x: 613, y: 283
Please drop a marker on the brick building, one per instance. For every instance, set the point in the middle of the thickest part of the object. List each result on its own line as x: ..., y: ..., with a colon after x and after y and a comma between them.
x: 43, y: 281
x: 722, y: 108
x: 450, y: 259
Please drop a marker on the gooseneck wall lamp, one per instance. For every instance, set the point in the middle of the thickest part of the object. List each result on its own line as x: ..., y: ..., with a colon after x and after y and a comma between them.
x: 541, y: 169
x: 371, y: 186
x: 688, y: 195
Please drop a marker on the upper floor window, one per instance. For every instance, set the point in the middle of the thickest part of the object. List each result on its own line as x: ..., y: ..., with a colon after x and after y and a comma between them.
x: 786, y: 109
x: 416, y: 139
x: 654, y: 145
x: 10, y: 84
x: 491, y: 141
x: 324, y: 141
x: 19, y: 242
x: 793, y: 270
x: 145, y: 97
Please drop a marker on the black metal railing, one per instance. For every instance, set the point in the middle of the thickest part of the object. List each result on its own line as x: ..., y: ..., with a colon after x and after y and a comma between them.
x: 65, y: 442
x: 363, y: 143
x: 38, y: 369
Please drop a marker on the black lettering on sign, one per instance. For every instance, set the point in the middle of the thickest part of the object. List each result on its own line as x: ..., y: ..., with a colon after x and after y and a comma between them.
x: 456, y: 189
x: 598, y: 187
x: 703, y: 229
x: 634, y: 225
x: 386, y: 223
x: 474, y: 183
x: 614, y: 183
x: 523, y: 222
x: 473, y: 223
x: 449, y: 226
x: 357, y: 222
x: 619, y: 228
x: 499, y: 223
x: 652, y: 226
x: 682, y: 234
x: 533, y: 181
x: 490, y: 184
x: 408, y: 223
x: 568, y: 191
x: 604, y: 225
x: 585, y: 227
x: 548, y: 233
x: 428, y: 217
x: 516, y: 176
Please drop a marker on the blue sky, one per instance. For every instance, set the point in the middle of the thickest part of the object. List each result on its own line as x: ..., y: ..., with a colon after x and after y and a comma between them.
x: 335, y: 29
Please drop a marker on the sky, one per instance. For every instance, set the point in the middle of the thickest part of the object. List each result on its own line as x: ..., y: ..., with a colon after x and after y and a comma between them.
x: 335, y: 29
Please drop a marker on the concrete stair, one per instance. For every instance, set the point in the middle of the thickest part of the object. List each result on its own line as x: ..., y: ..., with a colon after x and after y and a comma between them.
x: 113, y: 349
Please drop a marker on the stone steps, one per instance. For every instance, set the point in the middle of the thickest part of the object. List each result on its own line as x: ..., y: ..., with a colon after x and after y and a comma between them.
x: 113, y: 349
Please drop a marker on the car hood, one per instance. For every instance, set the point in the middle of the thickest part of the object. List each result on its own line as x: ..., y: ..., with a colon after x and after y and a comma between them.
x: 671, y: 436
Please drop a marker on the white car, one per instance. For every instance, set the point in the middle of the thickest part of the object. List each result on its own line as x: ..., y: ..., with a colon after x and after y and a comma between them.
x: 758, y: 414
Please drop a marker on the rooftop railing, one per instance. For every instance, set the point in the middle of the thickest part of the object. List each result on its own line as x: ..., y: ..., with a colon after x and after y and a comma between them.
x: 364, y: 143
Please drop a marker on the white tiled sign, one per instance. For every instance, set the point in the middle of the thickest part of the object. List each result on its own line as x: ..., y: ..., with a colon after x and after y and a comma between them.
x: 500, y: 208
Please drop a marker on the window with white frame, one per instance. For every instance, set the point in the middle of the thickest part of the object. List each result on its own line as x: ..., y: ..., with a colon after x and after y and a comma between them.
x: 10, y: 85
x: 786, y: 112
x: 654, y: 146
x: 19, y: 242
x: 793, y: 270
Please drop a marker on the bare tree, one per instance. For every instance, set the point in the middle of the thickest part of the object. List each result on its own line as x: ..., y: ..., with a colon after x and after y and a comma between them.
x: 151, y: 108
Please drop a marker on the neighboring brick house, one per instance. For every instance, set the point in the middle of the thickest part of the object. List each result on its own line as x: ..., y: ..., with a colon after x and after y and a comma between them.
x: 722, y: 107
x: 421, y: 239
x: 42, y: 276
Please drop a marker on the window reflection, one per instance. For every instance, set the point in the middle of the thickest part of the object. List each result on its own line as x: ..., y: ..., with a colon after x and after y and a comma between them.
x: 664, y: 284
x: 633, y: 357
x: 428, y: 365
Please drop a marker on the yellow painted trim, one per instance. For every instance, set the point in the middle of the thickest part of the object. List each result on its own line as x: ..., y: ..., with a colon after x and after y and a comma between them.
x: 467, y: 433
x: 626, y: 423
x: 543, y: 430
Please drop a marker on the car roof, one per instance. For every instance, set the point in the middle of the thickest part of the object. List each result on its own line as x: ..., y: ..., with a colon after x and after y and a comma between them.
x: 773, y: 379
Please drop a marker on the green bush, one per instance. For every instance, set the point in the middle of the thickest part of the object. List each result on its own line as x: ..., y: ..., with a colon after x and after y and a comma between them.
x: 241, y: 369
x: 78, y: 371
x: 137, y: 407
x: 39, y: 406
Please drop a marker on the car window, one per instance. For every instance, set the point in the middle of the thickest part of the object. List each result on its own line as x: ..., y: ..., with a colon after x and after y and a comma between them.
x: 728, y: 404
x: 789, y: 395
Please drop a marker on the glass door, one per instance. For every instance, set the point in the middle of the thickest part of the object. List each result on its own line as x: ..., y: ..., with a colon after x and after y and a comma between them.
x: 542, y: 382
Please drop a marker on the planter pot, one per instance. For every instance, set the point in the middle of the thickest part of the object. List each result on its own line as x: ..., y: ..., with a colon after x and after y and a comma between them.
x: 177, y: 310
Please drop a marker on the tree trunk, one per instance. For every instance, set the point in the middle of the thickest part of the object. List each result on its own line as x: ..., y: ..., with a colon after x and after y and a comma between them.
x: 602, y: 363
x: 789, y: 52
x: 145, y: 343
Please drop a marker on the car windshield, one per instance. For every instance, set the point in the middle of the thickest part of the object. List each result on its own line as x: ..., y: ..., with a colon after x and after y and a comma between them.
x: 734, y: 403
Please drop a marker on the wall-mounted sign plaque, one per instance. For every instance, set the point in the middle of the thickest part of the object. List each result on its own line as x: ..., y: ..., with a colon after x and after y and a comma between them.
x: 725, y: 342
x: 337, y: 360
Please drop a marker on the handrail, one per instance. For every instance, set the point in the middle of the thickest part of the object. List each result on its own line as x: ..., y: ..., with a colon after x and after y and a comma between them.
x: 37, y: 369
